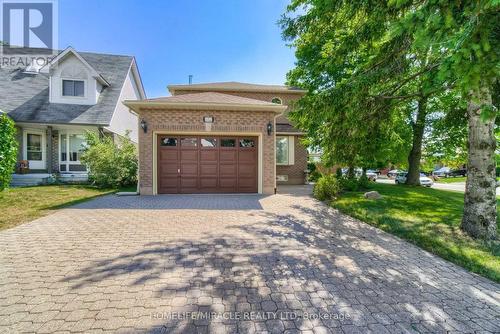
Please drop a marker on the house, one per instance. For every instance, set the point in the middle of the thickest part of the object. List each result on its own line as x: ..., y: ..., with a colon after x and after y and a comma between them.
x: 227, y: 137
x: 54, y: 105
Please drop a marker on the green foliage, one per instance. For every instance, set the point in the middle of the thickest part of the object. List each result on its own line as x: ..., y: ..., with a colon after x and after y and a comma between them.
x: 110, y: 165
x: 363, y: 182
x: 349, y: 184
x: 338, y: 173
x: 314, y: 173
x: 8, y: 150
x: 327, y: 188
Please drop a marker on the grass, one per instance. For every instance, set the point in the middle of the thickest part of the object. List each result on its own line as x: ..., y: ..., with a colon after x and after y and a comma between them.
x: 21, y: 205
x: 429, y: 218
x: 451, y: 179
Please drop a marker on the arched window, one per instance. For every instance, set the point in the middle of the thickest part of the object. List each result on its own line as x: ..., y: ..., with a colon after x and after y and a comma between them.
x: 276, y: 100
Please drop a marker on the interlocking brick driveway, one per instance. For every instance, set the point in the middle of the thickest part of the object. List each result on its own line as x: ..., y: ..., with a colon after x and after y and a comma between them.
x: 130, y: 263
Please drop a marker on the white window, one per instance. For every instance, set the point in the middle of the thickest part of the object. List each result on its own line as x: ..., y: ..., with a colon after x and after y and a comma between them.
x: 71, y: 148
x: 73, y: 88
x: 285, y: 150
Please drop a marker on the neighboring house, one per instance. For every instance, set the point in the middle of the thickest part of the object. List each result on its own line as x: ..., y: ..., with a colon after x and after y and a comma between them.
x: 53, y: 106
x: 226, y: 137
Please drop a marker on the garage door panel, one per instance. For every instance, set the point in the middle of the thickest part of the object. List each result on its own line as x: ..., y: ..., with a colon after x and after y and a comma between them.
x: 228, y: 170
x: 208, y: 155
x: 246, y: 171
x: 168, y: 155
x: 208, y: 170
x: 228, y: 155
x: 189, y: 169
x: 189, y: 182
x: 208, y: 183
x: 246, y: 156
x: 189, y: 155
x: 226, y: 182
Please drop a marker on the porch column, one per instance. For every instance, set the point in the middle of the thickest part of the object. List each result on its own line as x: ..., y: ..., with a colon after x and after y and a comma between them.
x: 49, y: 150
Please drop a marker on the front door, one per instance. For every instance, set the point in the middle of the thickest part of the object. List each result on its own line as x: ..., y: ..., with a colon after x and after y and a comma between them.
x: 34, y: 148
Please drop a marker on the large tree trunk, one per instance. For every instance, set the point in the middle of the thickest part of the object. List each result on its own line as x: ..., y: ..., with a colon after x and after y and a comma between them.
x: 413, y: 177
x: 350, y: 172
x: 480, y: 213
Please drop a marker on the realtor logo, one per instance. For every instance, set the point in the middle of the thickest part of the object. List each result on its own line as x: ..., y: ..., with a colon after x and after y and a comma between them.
x: 28, y: 24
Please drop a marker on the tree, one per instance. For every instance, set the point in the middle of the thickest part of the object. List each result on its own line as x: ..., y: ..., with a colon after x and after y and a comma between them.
x: 358, y: 60
x: 8, y: 150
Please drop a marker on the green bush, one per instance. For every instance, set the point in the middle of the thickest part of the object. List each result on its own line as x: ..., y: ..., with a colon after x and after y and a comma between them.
x: 110, y: 165
x: 8, y: 150
x: 363, y: 182
x: 327, y: 188
x: 338, y: 173
x: 314, y: 176
x: 349, y: 184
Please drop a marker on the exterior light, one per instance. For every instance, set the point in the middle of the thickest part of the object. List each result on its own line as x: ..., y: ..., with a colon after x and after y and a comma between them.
x: 144, y: 126
x: 269, y: 128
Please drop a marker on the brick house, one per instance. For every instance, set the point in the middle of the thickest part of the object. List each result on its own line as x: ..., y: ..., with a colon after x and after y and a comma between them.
x: 225, y: 137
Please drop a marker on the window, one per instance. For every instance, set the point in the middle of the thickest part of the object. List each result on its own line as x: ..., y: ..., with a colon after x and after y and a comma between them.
x: 168, y: 141
x: 282, y: 150
x: 34, y: 147
x: 285, y: 147
x: 71, y: 148
x: 76, y: 147
x: 189, y: 142
x: 227, y: 142
x: 276, y: 100
x: 73, y: 88
x: 208, y: 142
x: 247, y: 143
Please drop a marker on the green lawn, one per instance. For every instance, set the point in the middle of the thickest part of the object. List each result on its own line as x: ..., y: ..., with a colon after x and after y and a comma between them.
x: 21, y: 205
x: 451, y: 179
x: 429, y: 218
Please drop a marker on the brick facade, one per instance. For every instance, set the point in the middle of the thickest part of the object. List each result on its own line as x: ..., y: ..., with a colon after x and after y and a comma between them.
x: 191, y: 121
x: 294, y: 172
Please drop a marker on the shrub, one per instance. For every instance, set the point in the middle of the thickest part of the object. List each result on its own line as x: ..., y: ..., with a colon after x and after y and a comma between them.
x: 363, y: 182
x: 110, y: 165
x: 349, y: 184
x: 338, y: 173
x: 8, y: 150
x: 327, y: 188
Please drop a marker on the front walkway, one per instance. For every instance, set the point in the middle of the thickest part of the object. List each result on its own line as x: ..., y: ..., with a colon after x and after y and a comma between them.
x: 281, y: 263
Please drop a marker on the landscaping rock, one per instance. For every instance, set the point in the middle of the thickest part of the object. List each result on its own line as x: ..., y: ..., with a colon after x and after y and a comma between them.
x: 373, y: 195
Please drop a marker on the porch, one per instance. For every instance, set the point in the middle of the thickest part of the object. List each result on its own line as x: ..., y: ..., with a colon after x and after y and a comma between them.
x: 49, y: 153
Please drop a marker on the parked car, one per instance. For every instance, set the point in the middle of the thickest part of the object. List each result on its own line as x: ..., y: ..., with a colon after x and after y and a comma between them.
x: 441, y: 172
x: 371, y: 175
x: 457, y: 172
x: 393, y: 173
x: 424, y: 180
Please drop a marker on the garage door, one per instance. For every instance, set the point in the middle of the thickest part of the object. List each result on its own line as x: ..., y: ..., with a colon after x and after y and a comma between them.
x: 207, y: 164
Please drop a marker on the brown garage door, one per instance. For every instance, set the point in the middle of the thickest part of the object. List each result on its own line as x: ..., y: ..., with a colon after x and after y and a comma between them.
x: 207, y: 164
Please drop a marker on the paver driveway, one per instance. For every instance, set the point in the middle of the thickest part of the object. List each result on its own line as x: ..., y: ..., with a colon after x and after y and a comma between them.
x: 136, y: 263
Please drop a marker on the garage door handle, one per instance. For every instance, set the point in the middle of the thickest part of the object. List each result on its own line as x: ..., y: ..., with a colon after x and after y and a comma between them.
x: 178, y: 170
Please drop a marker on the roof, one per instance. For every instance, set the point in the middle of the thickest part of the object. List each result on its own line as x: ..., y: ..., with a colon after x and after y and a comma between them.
x: 25, y: 97
x: 206, y: 100
x: 287, y: 128
x: 236, y: 86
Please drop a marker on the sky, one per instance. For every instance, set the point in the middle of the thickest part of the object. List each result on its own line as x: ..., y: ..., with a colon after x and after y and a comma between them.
x: 214, y: 40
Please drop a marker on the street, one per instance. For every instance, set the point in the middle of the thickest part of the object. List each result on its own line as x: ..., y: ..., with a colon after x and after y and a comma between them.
x: 456, y: 186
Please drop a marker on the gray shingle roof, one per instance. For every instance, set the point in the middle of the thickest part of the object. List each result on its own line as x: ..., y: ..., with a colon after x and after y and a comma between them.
x: 25, y: 97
